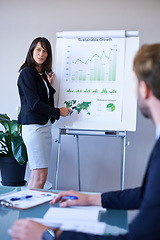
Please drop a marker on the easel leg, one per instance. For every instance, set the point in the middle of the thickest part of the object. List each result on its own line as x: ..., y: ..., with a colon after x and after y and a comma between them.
x: 58, y: 159
x: 123, y: 150
x: 78, y: 161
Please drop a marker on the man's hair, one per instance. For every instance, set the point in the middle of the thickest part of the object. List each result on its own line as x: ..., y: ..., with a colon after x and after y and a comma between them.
x: 147, y: 67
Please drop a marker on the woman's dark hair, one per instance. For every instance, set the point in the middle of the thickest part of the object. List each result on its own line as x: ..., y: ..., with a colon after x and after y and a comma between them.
x: 47, y: 65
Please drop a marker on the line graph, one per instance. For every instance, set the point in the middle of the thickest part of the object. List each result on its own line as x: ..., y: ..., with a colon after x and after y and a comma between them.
x: 95, y: 55
x: 98, y: 67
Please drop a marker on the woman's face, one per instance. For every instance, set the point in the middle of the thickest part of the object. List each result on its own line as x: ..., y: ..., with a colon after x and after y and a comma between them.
x: 39, y: 54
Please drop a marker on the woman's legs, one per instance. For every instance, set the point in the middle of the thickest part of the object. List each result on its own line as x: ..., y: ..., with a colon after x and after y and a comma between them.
x: 38, y: 141
x: 38, y: 178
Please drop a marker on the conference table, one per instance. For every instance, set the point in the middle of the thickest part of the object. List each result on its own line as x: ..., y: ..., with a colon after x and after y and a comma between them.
x: 117, y: 218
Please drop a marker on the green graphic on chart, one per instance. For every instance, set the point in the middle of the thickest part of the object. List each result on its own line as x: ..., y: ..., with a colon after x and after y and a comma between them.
x: 69, y: 90
x: 104, y: 90
x: 112, y: 68
x: 110, y: 107
x: 77, y: 106
x: 97, y: 68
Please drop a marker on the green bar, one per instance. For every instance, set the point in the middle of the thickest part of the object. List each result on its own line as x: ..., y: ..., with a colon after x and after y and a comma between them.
x: 95, y: 72
x: 91, y: 75
x: 80, y: 75
x: 102, y: 72
x: 112, y: 67
x: 84, y: 76
x: 99, y: 73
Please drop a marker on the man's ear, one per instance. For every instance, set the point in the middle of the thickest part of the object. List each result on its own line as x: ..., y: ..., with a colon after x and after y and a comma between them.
x: 143, y: 89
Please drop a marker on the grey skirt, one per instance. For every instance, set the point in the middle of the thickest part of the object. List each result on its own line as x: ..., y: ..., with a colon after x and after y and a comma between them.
x: 38, y: 141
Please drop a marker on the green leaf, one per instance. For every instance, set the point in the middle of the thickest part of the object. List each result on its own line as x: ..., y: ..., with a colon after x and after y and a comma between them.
x: 10, y: 126
x: 1, y: 135
x: 19, y: 149
x: 11, y: 142
x: 13, y: 126
x: 4, y: 117
x: 5, y: 141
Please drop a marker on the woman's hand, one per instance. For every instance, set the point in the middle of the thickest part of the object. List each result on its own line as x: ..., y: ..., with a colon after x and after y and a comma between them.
x: 65, y: 111
x: 51, y: 78
x: 82, y: 199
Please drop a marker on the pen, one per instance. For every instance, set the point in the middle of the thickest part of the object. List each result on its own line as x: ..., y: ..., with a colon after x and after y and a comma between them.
x: 69, y: 197
x: 19, y: 198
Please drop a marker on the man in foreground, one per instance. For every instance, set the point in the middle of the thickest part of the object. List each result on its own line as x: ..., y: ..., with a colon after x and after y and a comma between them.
x: 146, y: 225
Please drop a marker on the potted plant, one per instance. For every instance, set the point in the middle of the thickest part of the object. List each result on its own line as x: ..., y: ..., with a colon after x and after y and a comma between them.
x: 13, y: 153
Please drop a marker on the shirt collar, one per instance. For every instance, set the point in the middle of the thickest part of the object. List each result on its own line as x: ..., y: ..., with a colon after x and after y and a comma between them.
x: 158, y: 131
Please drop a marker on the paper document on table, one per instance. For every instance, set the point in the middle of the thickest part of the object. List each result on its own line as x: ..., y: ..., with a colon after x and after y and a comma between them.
x: 98, y: 228
x: 90, y: 208
x: 71, y: 214
x: 27, y: 198
x: 80, y: 219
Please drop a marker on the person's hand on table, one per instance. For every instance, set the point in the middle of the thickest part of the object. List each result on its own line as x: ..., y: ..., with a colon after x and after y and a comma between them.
x: 82, y: 199
x: 27, y: 229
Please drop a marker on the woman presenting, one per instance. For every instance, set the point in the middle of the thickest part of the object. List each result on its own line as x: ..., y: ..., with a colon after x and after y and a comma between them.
x: 37, y: 109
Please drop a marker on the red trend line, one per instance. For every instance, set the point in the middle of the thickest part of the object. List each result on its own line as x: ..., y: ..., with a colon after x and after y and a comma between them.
x: 100, y: 57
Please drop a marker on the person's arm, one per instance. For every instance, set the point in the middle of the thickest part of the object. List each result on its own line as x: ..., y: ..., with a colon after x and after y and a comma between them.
x: 126, y: 200
x: 28, y: 86
x: 82, y: 199
x: 69, y: 235
x: 27, y: 229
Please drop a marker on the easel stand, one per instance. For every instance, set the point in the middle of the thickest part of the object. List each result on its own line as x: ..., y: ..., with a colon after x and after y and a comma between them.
x: 77, y: 133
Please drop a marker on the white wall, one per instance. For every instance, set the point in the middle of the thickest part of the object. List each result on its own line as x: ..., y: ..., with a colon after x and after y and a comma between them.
x: 22, y: 21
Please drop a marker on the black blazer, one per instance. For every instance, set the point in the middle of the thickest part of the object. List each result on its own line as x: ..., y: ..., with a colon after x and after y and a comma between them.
x: 36, y: 108
x: 146, y: 225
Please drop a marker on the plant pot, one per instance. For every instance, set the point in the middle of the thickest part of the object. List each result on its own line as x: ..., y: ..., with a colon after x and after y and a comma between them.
x: 12, y: 173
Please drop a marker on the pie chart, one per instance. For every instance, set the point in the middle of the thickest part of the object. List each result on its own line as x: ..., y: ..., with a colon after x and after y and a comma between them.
x: 110, y: 107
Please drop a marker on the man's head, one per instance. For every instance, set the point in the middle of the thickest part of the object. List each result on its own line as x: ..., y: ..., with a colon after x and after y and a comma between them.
x: 147, y: 69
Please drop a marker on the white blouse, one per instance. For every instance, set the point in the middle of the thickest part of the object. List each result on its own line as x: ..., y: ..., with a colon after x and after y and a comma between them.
x: 47, y: 88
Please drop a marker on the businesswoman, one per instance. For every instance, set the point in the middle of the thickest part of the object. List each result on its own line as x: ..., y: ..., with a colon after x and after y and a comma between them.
x: 37, y: 108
